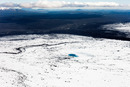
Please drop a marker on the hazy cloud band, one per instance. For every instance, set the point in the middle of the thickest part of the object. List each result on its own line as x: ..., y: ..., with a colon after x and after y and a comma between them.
x: 58, y: 4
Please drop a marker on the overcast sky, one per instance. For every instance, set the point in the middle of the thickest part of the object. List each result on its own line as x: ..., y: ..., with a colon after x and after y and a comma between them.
x: 64, y: 3
x: 117, y: 1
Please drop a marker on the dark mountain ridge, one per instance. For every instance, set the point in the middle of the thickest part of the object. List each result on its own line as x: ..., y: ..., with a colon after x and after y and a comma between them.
x: 79, y: 22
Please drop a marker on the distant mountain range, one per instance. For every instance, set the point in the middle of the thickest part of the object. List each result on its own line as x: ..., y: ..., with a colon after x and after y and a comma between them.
x: 68, y: 21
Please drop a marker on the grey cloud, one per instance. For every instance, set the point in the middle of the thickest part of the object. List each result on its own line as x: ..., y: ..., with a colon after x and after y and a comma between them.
x: 9, y: 5
x: 59, y: 4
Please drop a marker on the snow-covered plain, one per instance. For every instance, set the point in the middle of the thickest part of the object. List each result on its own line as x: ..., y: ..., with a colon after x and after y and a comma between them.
x: 43, y: 61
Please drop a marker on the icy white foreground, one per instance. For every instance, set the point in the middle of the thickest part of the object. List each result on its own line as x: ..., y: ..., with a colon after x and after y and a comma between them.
x: 43, y: 61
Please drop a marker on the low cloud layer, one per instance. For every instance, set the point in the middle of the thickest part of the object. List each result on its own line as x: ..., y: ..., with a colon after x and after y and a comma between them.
x: 119, y: 27
x: 122, y: 27
x: 59, y: 4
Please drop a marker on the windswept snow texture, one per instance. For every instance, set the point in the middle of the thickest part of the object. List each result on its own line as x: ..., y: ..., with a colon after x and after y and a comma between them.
x: 43, y: 61
x: 122, y: 27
